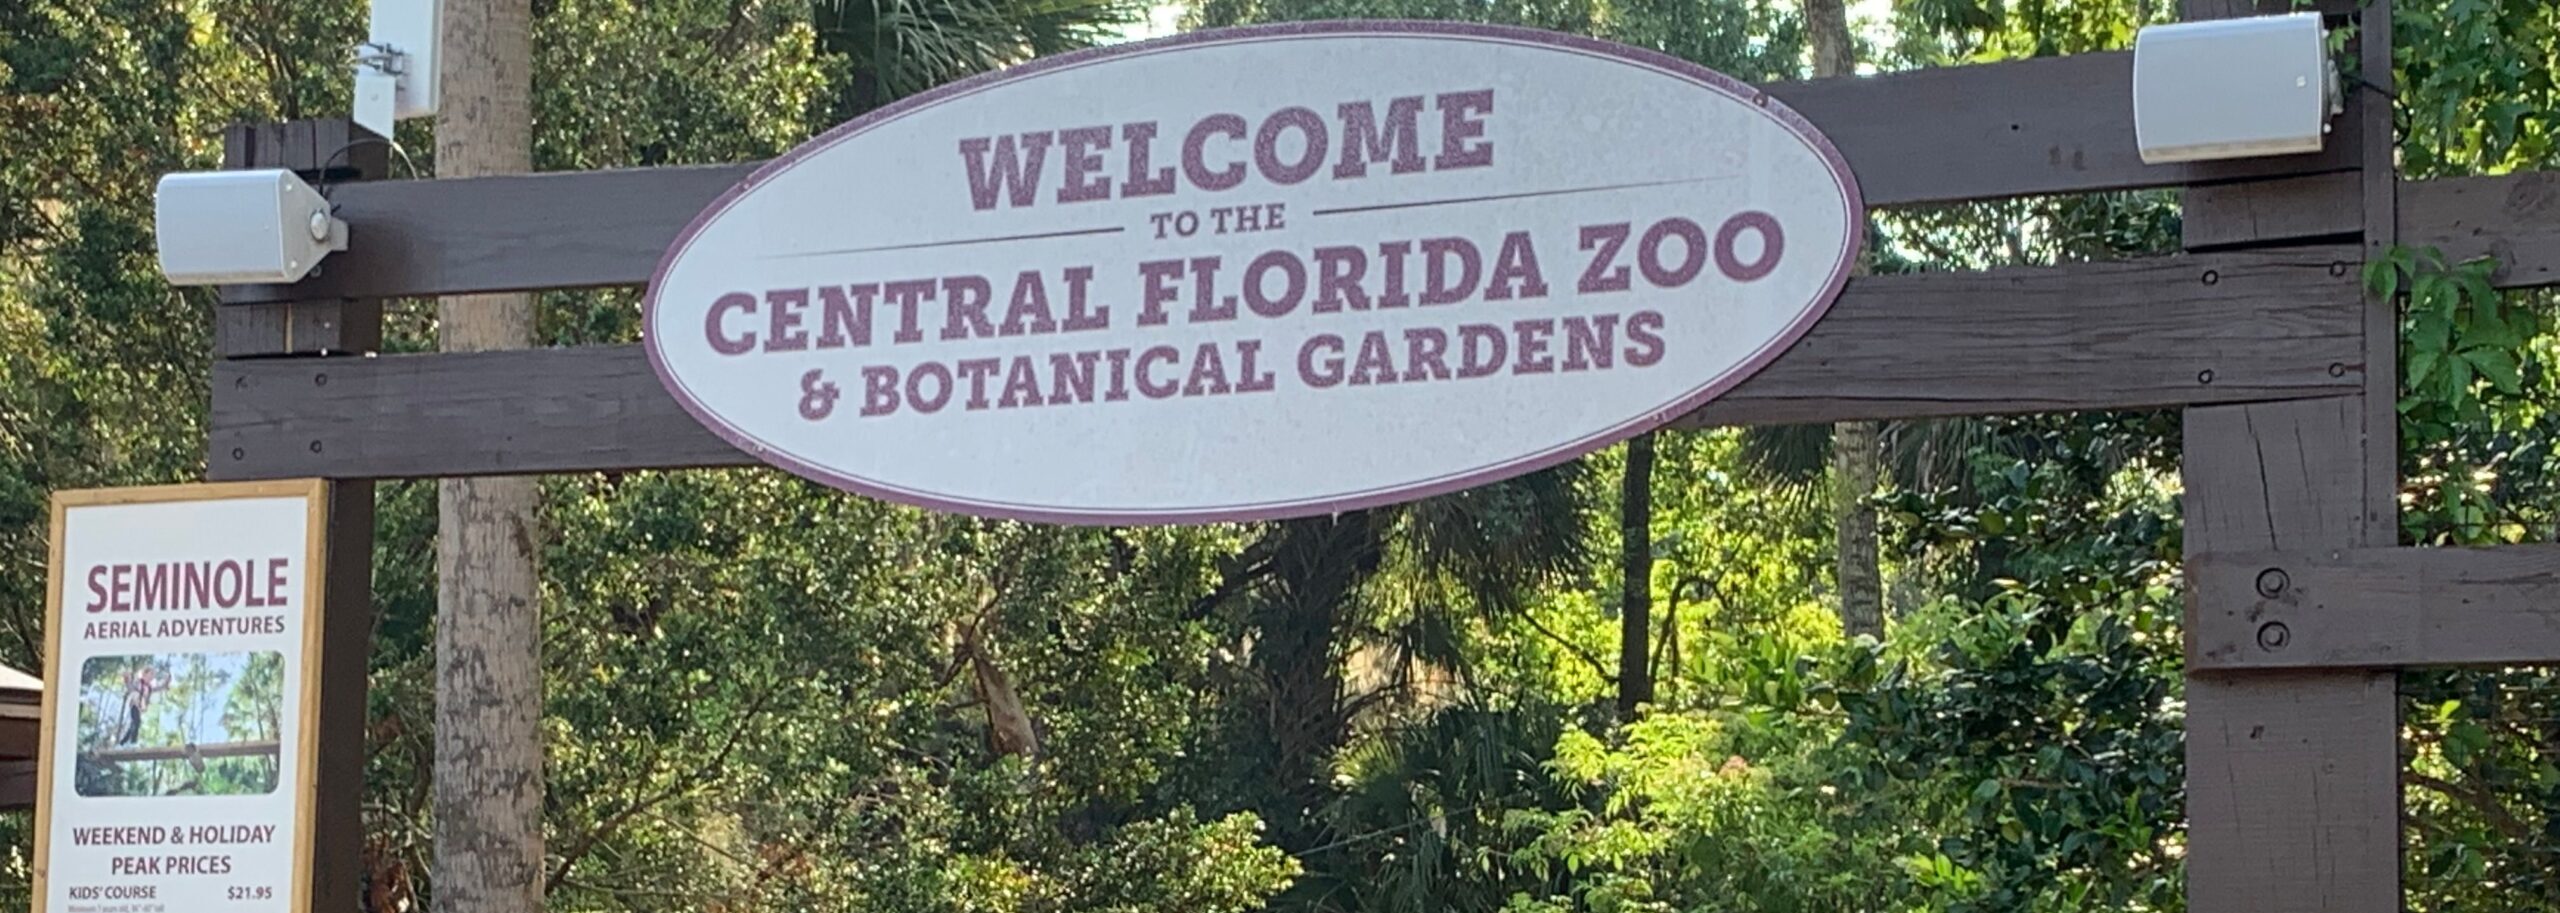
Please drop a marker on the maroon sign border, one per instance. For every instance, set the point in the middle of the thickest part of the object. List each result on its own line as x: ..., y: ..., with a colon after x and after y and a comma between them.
x: 1275, y: 510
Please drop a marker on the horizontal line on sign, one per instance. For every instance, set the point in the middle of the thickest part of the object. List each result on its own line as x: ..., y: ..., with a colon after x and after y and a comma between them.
x: 924, y: 244
x: 1342, y: 210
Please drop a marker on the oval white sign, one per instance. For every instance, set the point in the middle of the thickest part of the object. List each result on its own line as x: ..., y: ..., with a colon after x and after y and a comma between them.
x: 1254, y: 273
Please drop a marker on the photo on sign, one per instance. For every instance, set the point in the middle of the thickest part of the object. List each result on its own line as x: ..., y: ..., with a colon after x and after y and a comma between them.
x: 180, y: 724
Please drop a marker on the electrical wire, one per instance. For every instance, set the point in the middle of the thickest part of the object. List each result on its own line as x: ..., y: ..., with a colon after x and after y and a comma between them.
x: 332, y: 160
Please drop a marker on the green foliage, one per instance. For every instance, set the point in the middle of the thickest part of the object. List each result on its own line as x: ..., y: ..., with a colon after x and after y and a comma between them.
x: 1749, y: 39
x: 2460, y: 339
x: 1678, y: 818
x: 2476, y: 84
x: 1949, y: 31
x: 893, y: 48
x: 2465, y: 354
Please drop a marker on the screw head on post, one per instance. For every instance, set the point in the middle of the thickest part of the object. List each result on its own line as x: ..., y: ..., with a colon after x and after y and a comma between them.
x: 2272, y: 582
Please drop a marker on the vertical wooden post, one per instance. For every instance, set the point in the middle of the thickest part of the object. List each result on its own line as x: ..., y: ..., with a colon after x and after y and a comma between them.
x: 333, y: 151
x: 2381, y: 188
x: 2292, y: 778
x: 2293, y: 797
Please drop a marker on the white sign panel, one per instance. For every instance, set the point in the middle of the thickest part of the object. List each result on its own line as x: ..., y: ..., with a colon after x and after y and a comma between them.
x: 176, y: 775
x: 1254, y: 273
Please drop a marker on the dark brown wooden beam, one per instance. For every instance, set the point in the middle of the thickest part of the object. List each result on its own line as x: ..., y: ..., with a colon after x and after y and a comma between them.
x: 346, y: 650
x: 581, y: 229
x: 2292, y: 778
x: 21, y: 732
x: 2226, y: 9
x: 2514, y: 218
x: 2060, y: 125
x: 17, y: 784
x: 2291, y: 210
x: 2052, y: 125
x: 322, y: 331
x: 2124, y: 335
x: 2376, y: 608
x: 2215, y: 328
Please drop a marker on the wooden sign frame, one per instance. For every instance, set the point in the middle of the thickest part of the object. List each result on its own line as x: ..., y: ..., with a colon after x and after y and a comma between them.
x: 2301, y: 604
x: 315, y: 807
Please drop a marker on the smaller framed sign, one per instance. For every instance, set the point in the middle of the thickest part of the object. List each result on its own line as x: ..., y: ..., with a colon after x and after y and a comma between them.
x: 180, y: 717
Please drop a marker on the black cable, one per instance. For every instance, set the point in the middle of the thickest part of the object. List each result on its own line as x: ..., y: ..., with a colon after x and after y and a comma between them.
x: 332, y: 160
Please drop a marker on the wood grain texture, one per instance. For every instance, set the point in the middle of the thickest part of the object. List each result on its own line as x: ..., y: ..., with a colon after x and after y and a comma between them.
x: 17, y: 784
x: 346, y: 650
x: 2225, y: 9
x: 477, y: 413
x: 2268, y: 326
x: 2062, y: 125
x: 2377, y: 607
x: 2379, y: 137
x: 2293, y: 795
x: 2278, y: 211
x: 324, y: 152
x: 2514, y: 218
x: 2133, y: 334
x: 2292, y: 778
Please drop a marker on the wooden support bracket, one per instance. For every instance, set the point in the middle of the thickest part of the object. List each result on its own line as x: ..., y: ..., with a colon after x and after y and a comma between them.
x: 2375, y: 608
x: 2514, y: 218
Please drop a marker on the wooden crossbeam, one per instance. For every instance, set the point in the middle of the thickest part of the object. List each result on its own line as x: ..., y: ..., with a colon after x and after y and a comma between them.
x: 2292, y: 210
x: 2142, y: 334
x: 2050, y: 125
x: 2225, y: 9
x: 2375, y: 608
x: 266, y: 748
x: 2514, y: 218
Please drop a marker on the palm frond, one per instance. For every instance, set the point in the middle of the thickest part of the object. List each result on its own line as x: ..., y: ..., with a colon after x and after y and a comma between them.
x: 900, y: 47
x: 1497, y: 540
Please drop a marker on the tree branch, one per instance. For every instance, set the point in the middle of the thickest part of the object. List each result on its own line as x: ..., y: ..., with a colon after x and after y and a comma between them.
x: 1597, y: 667
x: 587, y: 842
x: 2495, y: 812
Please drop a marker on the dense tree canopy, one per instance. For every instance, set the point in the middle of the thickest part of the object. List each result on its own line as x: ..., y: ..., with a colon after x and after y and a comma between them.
x: 765, y: 695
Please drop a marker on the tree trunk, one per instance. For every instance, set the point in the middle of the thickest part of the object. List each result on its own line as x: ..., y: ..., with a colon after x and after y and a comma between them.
x: 1635, y: 577
x: 1855, y: 450
x: 1305, y: 611
x: 488, y: 740
x: 1826, y: 24
x: 1854, y: 455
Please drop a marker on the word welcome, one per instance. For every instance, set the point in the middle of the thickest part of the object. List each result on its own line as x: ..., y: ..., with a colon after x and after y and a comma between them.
x: 1216, y: 148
